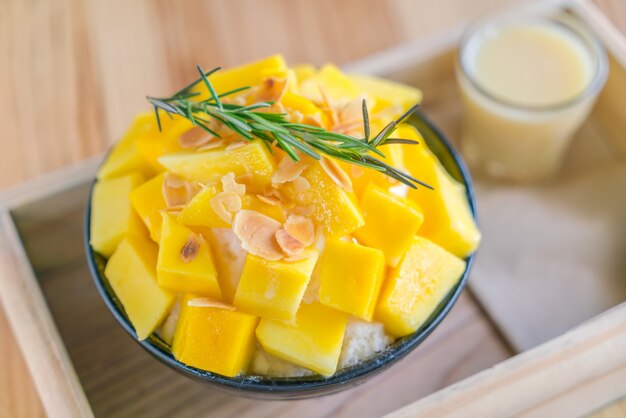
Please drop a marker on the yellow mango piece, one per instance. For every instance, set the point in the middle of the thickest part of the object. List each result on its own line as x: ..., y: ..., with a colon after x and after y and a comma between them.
x: 275, y: 212
x: 125, y: 157
x: 197, y: 273
x: 251, y: 74
x: 294, y: 102
x: 304, y: 72
x: 198, y: 212
x: 155, y: 143
x: 148, y: 201
x: 336, y: 85
x: 132, y: 276
x: 416, y: 286
x: 390, y: 223
x: 387, y: 93
x: 313, y: 341
x: 274, y: 289
x: 351, y: 276
x: 218, y: 339
x: 210, y: 166
x: 335, y: 210
x: 448, y: 220
x: 229, y: 259
x: 112, y: 215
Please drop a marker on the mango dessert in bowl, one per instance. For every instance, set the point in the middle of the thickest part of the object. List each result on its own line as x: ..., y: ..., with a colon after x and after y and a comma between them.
x: 281, y: 231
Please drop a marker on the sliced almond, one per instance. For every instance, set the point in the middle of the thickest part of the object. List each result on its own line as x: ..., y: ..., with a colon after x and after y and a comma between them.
x: 300, y: 184
x: 195, y: 137
x: 295, y: 116
x: 306, y: 210
x: 287, y: 170
x: 191, y: 248
x: 175, y: 190
x: 270, y: 200
x: 272, y: 89
x: 257, y: 234
x: 313, y: 120
x: 290, y: 246
x: 235, y: 145
x: 300, y: 228
x: 336, y: 173
x: 211, y: 145
x: 209, y: 303
x: 230, y: 185
x: 225, y: 204
x: 245, y: 178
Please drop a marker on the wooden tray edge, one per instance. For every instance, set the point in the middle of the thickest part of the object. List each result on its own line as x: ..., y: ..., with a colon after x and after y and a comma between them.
x: 26, y: 309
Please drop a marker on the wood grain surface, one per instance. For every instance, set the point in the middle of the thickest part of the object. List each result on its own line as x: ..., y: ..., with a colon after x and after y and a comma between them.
x: 73, y: 72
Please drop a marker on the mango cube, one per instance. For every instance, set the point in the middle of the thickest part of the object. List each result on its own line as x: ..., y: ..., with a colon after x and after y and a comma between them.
x: 132, y: 276
x: 155, y: 143
x: 448, y: 220
x: 124, y: 157
x: 210, y: 166
x: 350, y: 277
x: 336, y: 85
x: 274, y: 289
x: 185, y: 263
x: 416, y: 286
x: 148, y: 201
x: 313, y: 341
x: 390, y: 223
x: 214, y: 338
x: 112, y: 216
x: 198, y: 212
x: 251, y: 74
x: 334, y: 209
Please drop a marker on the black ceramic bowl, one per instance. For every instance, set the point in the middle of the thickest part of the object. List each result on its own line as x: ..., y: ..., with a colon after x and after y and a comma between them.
x: 310, y: 386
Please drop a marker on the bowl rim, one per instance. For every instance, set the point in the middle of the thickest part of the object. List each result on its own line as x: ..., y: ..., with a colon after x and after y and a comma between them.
x: 297, y: 387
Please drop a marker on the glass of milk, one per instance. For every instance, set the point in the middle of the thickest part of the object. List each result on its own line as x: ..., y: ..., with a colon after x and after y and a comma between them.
x: 527, y: 83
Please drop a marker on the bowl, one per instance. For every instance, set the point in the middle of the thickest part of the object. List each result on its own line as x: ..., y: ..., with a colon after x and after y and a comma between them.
x: 315, y: 385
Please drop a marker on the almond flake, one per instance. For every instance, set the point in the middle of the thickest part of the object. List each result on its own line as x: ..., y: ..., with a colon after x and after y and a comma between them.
x: 300, y: 184
x: 296, y: 116
x: 245, y: 179
x: 175, y: 190
x: 209, y: 303
x: 230, y: 185
x: 211, y: 145
x: 270, y: 200
x: 195, y: 137
x: 257, y: 234
x: 313, y: 120
x: 272, y: 89
x: 225, y: 204
x: 288, y: 170
x: 336, y: 173
x: 306, y: 210
x: 191, y: 248
x: 300, y: 228
x: 235, y: 145
x: 290, y: 246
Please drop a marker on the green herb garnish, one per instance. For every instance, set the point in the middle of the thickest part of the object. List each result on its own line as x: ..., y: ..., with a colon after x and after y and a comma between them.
x: 275, y: 129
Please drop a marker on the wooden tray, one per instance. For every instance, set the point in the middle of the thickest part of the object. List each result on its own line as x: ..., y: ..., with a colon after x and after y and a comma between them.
x: 83, y: 364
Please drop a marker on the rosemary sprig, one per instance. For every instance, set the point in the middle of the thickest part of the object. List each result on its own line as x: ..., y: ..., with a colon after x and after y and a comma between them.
x: 275, y: 129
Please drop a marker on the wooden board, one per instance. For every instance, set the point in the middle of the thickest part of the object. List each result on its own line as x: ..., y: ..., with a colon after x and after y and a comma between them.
x: 405, y: 387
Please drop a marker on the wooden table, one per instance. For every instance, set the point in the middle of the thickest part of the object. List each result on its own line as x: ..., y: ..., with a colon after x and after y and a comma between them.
x: 73, y: 72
